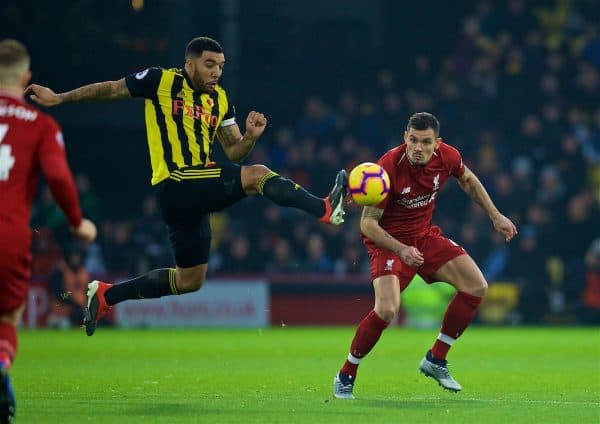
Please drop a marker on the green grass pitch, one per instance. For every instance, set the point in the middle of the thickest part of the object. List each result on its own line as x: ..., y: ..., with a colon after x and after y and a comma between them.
x: 284, y: 375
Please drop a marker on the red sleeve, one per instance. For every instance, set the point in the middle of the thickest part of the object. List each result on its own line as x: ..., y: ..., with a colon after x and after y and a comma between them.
x: 53, y: 161
x: 457, y: 167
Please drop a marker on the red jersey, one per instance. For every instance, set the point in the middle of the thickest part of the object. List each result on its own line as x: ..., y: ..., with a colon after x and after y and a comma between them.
x: 408, y: 208
x: 30, y: 141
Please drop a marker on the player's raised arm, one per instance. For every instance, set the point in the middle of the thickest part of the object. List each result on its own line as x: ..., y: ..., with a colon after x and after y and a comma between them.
x: 473, y: 187
x: 106, y: 90
x: 369, y: 226
x: 236, y: 145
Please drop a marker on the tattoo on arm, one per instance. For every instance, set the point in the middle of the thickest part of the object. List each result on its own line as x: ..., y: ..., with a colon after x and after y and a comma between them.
x: 372, y: 212
x: 229, y: 135
x: 471, y: 189
x: 107, y: 90
x: 387, y: 235
x: 236, y: 146
x: 377, y: 234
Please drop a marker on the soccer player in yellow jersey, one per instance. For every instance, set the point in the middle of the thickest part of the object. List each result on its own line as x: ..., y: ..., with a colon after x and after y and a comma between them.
x: 185, y: 109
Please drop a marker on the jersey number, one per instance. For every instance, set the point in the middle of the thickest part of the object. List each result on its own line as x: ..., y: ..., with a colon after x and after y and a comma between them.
x: 7, y: 160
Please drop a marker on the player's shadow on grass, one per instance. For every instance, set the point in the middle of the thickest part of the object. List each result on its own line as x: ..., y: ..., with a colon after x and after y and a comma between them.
x: 422, y: 403
x: 178, y: 410
x: 164, y: 409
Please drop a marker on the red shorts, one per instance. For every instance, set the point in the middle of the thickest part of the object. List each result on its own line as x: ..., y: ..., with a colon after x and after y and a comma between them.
x: 436, y: 250
x: 14, y: 279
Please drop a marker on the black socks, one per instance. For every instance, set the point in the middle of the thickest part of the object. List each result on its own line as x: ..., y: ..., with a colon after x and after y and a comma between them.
x: 285, y: 192
x: 157, y: 283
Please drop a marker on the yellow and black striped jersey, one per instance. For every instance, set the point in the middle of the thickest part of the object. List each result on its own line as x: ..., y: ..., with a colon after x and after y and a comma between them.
x: 180, y: 122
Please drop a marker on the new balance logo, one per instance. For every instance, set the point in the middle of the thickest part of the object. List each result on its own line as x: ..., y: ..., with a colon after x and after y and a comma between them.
x: 406, y: 190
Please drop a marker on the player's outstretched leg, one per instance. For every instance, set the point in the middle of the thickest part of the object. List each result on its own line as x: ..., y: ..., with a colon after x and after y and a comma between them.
x: 96, y: 305
x: 438, y: 370
x: 334, y: 202
x: 285, y: 192
x: 7, y: 398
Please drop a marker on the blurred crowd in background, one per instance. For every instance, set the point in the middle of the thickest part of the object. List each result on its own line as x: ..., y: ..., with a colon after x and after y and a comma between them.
x: 518, y: 93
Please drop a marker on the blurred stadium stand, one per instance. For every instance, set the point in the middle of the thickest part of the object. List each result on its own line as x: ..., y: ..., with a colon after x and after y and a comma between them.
x: 515, y: 84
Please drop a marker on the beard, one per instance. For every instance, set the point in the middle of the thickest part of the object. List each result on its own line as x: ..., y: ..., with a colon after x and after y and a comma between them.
x: 417, y: 159
x: 199, y: 83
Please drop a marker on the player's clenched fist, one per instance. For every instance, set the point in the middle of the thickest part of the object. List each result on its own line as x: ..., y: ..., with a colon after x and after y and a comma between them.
x: 86, y: 231
x: 255, y: 124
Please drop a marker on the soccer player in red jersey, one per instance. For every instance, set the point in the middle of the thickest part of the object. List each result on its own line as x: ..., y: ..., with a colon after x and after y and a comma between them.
x: 401, y: 242
x: 30, y: 142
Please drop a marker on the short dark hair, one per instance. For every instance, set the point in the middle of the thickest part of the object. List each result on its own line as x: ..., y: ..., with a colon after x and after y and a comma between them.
x: 199, y: 44
x: 422, y: 120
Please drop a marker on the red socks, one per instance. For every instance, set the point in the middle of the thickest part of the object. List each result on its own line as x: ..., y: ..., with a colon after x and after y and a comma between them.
x: 8, y: 344
x: 367, y: 334
x: 460, y: 313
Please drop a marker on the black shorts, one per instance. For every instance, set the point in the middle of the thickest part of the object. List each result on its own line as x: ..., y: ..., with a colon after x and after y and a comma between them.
x: 186, y: 200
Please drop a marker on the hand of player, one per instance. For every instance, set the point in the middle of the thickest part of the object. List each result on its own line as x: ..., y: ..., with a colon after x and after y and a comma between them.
x: 411, y: 256
x: 86, y: 231
x: 255, y: 124
x: 42, y: 95
x: 504, y: 226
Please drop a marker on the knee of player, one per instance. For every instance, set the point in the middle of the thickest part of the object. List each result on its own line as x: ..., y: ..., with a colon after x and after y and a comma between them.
x: 387, y: 312
x: 12, y: 317
x: 479, y: 289
x: 190, y: 284
x: 252, y: 175
x: 483, y: 288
